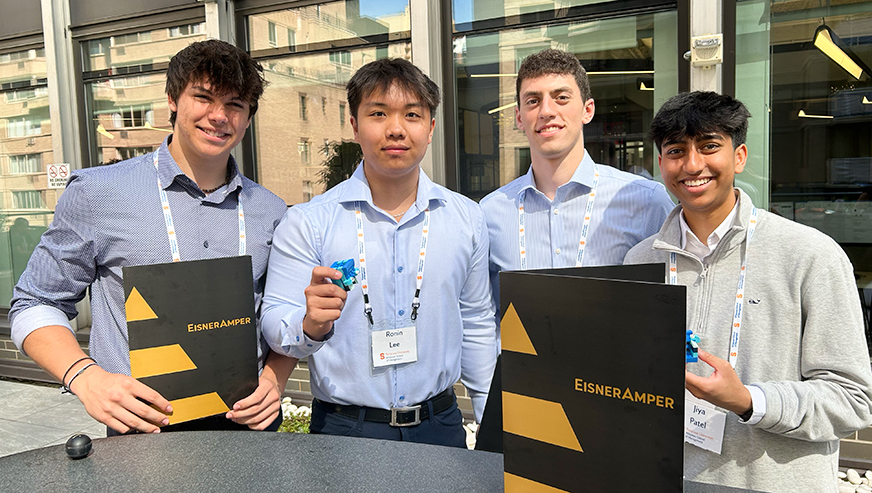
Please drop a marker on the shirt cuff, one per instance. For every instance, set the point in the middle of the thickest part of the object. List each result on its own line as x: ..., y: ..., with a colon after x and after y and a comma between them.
x: 296, y: 343
x: 34, y: 318
x: 479, y: 399
x: 758, y: 404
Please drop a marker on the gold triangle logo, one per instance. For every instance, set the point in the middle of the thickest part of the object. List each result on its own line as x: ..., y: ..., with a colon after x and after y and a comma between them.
x: 538, y: 419
x: 523, y: 485
x: 513, y: 334
x: 137, y: 308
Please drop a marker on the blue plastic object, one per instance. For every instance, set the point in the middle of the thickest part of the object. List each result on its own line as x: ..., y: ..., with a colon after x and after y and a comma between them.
x: 349, y: 274
x: 691, y: 348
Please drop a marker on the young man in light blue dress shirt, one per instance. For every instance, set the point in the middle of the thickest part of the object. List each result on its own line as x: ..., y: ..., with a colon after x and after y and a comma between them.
x: 574, y: 212
x: 384, y: 357
x: 110, y: 217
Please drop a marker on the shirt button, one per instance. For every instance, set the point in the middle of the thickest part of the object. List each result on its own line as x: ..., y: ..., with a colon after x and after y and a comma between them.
x: 401, y: 312
x: 557, y: 251
x: 206, y: 244
x: 402, y: 397
x: 556, y: 211
x: 400, y: 269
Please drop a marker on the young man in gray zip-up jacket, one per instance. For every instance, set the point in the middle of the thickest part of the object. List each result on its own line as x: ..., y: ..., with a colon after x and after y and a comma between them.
x: 800, y: 377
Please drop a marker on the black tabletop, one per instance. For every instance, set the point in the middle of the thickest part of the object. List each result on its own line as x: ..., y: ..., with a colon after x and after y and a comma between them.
x: 249, y: 461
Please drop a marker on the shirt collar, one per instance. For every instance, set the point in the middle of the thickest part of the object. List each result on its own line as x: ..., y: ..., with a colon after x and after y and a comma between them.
x: 583, y: 175
x: 169, y: 171
x: 357, y: 190
x: 697, y: 246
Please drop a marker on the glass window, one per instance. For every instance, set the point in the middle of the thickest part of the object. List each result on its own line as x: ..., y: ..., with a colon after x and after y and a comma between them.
x: 25, y: 163
x: 620, y: 55
x: 25, y: 144
x: 468, y: 11
x: 28, y: 199
x: 805, y: 75
x: 142, y: 48
x: 316, y: 74
x: 272, y: 34
x: 128, y: 114
x: 185, y: 30
x: 343, y: 20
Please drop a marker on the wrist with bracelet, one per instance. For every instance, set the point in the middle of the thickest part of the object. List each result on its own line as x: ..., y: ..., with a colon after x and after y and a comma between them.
x: 67, y: 386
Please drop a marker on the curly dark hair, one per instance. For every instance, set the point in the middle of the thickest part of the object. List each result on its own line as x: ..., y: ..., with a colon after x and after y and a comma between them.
x: 378, y: 76
x: 692, y: 114
x: 557, y: 62
x: 227, y: 68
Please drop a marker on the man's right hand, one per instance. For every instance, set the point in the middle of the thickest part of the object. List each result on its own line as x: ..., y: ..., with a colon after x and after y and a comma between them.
x: 114, y: 400
x: 324, y: 302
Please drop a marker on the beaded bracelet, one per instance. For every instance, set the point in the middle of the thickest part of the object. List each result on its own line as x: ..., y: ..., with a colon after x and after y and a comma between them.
x: 67, y: 386
x: 64, y: 379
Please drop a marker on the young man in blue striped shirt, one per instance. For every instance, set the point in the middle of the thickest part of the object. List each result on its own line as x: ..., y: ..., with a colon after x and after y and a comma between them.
x: 567, y: 210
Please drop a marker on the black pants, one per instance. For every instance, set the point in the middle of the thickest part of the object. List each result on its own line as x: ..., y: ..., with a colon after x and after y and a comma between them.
x: 212, y: 423
x: 445, y: 428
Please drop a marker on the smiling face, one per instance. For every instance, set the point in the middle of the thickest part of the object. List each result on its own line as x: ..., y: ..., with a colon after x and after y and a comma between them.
x: 552, y: 113
x: 208, y: 125
x: 699, y: 171
x: 393, y: 129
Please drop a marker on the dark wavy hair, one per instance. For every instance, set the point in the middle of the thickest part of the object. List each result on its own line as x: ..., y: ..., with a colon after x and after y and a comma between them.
x: 692, y: 114
x: 227, y: 68
x: 548, y: 62
x: 378, y: 76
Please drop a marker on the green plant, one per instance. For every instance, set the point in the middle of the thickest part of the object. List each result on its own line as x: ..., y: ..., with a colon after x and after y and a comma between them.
x: 295, y: 419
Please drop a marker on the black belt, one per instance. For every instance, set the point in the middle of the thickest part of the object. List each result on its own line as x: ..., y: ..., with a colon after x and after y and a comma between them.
x: 396, y: 416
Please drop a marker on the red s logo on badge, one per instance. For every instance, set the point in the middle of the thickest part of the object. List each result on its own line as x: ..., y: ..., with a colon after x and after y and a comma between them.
x: 381, y: 355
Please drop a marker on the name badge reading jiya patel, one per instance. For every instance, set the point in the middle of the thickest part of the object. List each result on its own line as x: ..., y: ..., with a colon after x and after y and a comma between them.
x: 703, y: 424
x: 394, y: 346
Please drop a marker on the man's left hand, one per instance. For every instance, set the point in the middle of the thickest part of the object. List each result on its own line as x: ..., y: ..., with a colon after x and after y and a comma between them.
x: 261, y: 408
x: 722, y: 388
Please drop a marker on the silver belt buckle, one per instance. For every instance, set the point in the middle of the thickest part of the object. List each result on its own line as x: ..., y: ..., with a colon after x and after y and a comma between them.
x: 395, y: 410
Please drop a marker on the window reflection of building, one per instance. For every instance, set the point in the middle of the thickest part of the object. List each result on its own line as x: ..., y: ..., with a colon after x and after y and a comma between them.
x: 129, y: 112
x: 615, y: 53
x: 26, y: 201
x: 305, y: 100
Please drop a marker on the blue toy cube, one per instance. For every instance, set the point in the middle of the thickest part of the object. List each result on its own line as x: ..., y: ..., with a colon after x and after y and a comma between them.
x: 349, y: 274
x: 691, y: 349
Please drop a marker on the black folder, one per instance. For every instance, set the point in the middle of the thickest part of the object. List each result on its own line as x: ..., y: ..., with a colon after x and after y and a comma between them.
x: 592, y: 380
x: 192, y: 333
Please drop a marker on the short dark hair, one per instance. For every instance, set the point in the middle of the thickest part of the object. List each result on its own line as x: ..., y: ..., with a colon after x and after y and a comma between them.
x: 548, y: 62
x: 227, y: 68
x: 378, y: 76
x: 692, y: 114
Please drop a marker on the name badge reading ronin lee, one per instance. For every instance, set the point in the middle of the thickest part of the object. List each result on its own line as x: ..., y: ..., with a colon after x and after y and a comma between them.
x: 703, y: 424
x: 394, y: 346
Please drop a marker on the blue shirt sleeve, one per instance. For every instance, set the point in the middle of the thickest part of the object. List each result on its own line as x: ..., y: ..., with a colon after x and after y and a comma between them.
x: 295, y: 252
x: 61, y: 268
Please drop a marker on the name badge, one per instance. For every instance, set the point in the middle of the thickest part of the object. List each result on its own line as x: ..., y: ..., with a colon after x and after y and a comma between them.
x: 703, y: 424
x: 394, y: 346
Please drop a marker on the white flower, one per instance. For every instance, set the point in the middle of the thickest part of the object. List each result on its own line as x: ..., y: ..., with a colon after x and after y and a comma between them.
x: 303, y: 411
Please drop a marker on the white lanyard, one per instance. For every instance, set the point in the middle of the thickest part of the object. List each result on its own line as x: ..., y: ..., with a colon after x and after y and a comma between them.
x: 740, y: 289
x: 585, y: 227
x: 361, y: 253
x: 168, y: 218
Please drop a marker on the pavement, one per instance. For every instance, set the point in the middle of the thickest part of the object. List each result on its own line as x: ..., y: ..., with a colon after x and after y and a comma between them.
x: 38, y: 415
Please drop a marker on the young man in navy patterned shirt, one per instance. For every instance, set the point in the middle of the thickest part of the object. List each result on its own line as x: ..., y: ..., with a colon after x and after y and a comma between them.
x: 111, y: 216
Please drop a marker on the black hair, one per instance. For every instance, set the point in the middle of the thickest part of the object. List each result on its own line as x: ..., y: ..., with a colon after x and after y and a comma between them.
x: 693, y: 114
x: 378, y: 76
x: 551, y: 61
x: 225, y: 67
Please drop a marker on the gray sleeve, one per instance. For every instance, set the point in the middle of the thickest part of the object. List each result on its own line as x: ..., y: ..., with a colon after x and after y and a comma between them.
x: 834, y: 397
